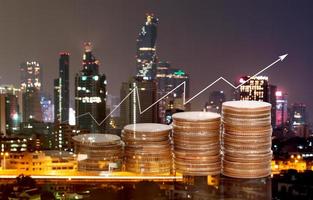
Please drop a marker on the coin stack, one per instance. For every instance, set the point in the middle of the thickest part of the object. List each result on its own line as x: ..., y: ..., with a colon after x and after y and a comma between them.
x: 147, y: 148
x: 196, y: 137
x: 246, y: 139
x: 97, y: 152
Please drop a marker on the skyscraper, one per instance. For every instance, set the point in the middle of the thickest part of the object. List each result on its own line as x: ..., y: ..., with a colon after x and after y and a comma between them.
x: 281, y: 109
x: 10, y: 109
x: 144, y: 79
x: 255, y: 89
x: 298, y: 120
x: 298, y: 114
x: 61, y: 90
x: 2, y: 115
x: 129, y: 112
x: 167, y: 79
x: 259, y: 89
x: 47, y: 108
x: 146, y: 49
x: 10, y: 117
x: 31, y: 81
x: 272, y: 100
x: 62, y: 136
x: 31, y: 76
x: 90, y: 93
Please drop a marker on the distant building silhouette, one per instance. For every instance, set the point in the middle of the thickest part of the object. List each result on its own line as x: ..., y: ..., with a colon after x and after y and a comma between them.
x: 31, y: 82
x: 62, y: 90
x: 90, y: 93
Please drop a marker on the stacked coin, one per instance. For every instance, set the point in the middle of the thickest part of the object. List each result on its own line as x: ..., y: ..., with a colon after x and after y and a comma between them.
x: 246, y: 139
x: 97, y: 152
x: 196, y: 137
x: 147, y: 148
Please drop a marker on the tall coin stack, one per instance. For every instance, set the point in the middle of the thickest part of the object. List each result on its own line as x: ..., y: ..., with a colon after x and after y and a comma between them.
x: 196, y: 143
x: 246, y: 139
x: 147, y: 148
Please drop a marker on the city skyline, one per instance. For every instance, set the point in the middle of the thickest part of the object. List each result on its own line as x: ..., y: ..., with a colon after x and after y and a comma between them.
x: 252, y: 42
x: 156, y: 99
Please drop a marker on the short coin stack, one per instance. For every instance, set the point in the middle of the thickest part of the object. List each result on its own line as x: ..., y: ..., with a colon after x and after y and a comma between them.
x: 96, y: 152
x: 147, y: 148
x: 246, y: 139
x: 196, y: 143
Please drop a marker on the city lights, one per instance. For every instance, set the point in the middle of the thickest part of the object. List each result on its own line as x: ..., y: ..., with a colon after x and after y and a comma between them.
x: 100, y: 99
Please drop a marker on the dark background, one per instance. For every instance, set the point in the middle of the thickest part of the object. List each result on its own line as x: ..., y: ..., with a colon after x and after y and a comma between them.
x: 207, y: 39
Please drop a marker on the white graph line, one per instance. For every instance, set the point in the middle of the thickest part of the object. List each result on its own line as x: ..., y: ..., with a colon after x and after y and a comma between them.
x: 281, y: 58
x: 135, y: 89
x: 138, y: 97
x: 118, y: 105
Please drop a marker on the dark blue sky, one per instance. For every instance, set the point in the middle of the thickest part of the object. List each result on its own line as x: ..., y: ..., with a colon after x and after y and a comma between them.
x: 207, y: 38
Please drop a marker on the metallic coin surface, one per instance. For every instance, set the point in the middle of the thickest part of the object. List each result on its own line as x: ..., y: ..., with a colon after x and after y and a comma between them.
x: 246, y: 139
x: 147, y: 148
x: 196, y: 141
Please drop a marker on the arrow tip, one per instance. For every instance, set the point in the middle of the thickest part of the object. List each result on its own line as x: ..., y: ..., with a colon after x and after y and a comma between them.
x: 282, y: 57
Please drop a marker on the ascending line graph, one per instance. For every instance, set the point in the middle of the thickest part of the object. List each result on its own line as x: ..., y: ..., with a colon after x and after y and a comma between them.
x: 183, y: 84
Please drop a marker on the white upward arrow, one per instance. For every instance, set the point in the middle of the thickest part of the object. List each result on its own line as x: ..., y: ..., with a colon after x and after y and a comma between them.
x: 280, y: 58
x: 135, y: 90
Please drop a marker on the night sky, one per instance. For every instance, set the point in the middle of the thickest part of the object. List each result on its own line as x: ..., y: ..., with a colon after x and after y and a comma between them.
x: 206, y: 38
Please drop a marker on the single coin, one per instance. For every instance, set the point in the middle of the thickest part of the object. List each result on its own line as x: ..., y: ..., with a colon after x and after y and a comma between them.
x: 196, y: 117
x: 246, y: 106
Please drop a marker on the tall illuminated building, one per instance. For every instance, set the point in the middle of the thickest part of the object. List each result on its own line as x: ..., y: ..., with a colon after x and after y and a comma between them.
x: 255, y: 89
x: 298, y: 119
x: 272, y: 100
x: 47, y: 109
x: 62, y: 136
x: 146, y: 49
x: 90, y: 93
x: 167, y: 79
x: 31, y: 81
x: 31, y: 75
x: 144, y: 79
x: 281, y: 109
x: 3, y: 115
x: 10, y: 115
x: 298, y: 114
x: 258, y: 89
x: 62, y: 90
x: 129, y: 111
